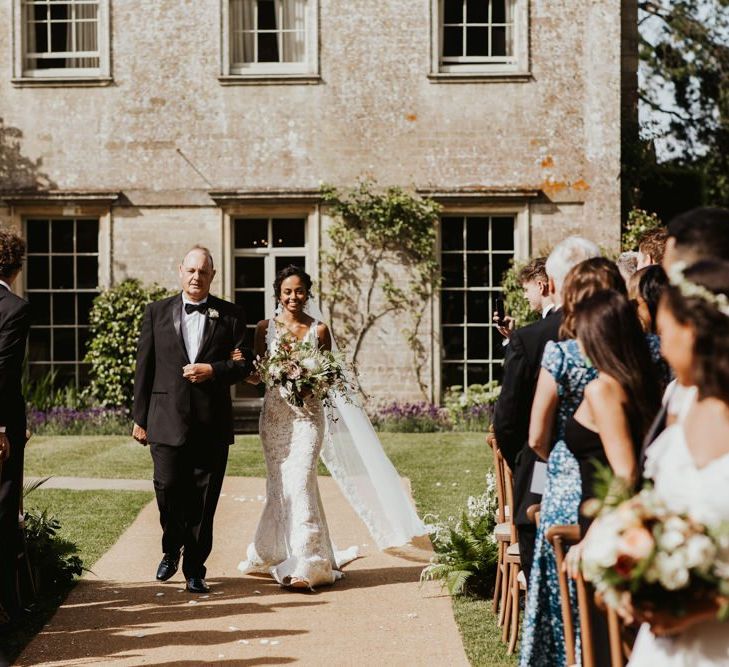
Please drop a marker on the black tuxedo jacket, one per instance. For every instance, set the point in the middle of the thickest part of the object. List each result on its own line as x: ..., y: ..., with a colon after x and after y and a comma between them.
x: 167, y: 405
x: 14, y: 325
x: 514, y: 407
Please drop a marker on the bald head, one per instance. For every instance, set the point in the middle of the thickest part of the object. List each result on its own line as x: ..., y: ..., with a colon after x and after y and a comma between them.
x: 196, y: 273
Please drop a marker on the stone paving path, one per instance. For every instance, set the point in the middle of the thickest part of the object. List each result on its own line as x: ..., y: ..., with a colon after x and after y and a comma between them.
x: 378, y: 614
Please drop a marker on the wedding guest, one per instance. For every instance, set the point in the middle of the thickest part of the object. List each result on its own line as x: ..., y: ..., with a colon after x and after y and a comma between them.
x: 644, y: 290
x: 627, y: 264
x: 651, y: 247
x: 533, y: 280
x: 14, y: 325
x: 521, y: 368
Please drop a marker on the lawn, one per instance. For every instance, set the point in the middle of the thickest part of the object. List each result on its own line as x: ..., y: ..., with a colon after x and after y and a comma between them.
x: 444, y: 469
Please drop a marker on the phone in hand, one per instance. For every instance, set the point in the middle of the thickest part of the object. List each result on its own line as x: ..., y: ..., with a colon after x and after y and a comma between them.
x: 500, y: 313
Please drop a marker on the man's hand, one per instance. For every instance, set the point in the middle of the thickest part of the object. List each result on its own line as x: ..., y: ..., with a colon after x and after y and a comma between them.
x: 237, y: 355
x: 139, y: 434
x: 197, y: 373
x: 4, y: 447
x: 504, y: 326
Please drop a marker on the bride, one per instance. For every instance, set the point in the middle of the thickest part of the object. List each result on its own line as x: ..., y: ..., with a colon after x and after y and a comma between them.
x: 689, y: 462
x: 292, y: 541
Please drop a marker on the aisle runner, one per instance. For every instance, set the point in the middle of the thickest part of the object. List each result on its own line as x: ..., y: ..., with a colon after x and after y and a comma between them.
x: 378, y: 614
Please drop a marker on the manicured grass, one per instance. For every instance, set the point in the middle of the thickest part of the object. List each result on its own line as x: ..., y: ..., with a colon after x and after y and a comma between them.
x: 444, y: 469
x: 94, y: 521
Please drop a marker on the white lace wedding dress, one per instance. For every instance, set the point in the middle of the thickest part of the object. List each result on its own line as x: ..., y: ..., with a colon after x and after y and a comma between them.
x: 704, y: 494
x: 292, y: 539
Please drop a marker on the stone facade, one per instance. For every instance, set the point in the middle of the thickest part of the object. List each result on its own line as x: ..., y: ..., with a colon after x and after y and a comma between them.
x: 167, y: 152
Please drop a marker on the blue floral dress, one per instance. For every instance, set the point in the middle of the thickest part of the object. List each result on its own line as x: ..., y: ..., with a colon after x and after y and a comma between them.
x: 543, y: 642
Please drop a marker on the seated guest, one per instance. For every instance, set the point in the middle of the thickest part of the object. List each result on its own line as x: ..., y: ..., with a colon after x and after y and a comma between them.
x: 14, y: 325
x: 627, y: 264
x: 651, y: 246
x: 644, y: 290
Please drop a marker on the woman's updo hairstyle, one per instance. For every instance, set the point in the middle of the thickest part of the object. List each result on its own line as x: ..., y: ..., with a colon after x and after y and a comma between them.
x: 582, y: 281
x: 287, y: 272
x: 696, y: 297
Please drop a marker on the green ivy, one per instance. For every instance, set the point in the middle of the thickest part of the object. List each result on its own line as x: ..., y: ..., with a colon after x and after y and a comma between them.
x: 515, y: 303
x: 116, y: 319
x: 373, y: 232
x: 639, y: 222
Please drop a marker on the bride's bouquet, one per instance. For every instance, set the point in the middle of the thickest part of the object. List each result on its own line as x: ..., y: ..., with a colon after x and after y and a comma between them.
x: 641, y: 553
x: 300, y: 368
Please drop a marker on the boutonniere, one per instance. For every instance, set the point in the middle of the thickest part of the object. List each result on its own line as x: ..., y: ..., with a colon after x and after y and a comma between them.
x: 213, y: 314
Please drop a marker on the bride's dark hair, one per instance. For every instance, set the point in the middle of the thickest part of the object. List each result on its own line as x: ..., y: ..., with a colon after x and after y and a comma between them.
x: 287, y: 272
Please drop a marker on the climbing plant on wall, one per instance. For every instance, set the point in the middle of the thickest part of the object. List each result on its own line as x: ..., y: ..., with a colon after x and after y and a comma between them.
x: 381, y: 261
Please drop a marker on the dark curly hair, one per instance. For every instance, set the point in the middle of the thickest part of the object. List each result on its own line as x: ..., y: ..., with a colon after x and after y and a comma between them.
x: 583, y: 280
x: 287, y: 272
x: 711, y: 327
x: 12, y: 252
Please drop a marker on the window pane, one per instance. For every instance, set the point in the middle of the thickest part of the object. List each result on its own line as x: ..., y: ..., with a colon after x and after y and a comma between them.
x: 87, y: 272
x: 41, y: 36
x: 452, y: 42
x: 502, y: 234
x: 452, y: 11
x: 64, y: 308
x: 253, y: 305
x: 477, y: 41
x: 87, y: 236
x: 289, y: 233
x: 59, y: 37
x: 38, y: 273
x: 477, y: 11
x: 249, y: 272
x: 59, y: 12
x: 479, y: 307
x: 452, y: 375
x: 39, y: 344
x: 62, y: 272
x: 477, y: 233
x: 498, y: 11
x: 62, y: 235
x: 251, y: 233
x: 477, y: 270
x: 40, y: 12
x: 478, y: 342
x: 83, y: 338
x: 40, y: 308
x: 85, y: 303
x: 452, y: 233
x: 498, y: 41
x: 64, y: 344
x: 498, y: 349
x: 501, y: 264
x: 268, y: 47
x: 453, y: 342
x: 266, y: 15
x: 452, y: 268
x: 452, y: 307
x: 37, y: 231
x: 283, y: 262
x: 478, y: 373
x: 65, y: 374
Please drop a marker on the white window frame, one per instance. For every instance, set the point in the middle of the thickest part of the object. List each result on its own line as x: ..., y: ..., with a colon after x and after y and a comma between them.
x: 497, y: 66
x: 307, y: 69
x: 101, y: 73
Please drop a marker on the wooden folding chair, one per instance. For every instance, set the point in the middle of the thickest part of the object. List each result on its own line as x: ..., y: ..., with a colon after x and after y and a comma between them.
x: 585, y: 600
x: 502, y: 530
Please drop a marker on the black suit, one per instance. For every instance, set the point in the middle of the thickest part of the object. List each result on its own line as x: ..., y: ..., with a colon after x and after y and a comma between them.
x: 14, y: 325
x: 189, y: 426
x: 511, y: 419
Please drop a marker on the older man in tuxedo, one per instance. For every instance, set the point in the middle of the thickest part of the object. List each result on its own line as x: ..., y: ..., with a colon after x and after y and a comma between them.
x: 14, y: 325
x: 182, y: 408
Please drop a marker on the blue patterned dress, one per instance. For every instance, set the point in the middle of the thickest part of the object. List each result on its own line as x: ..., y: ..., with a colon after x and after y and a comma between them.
x: 543, y: 643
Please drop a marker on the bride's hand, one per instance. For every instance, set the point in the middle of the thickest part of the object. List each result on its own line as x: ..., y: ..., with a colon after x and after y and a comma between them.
x: 236, y: 355
x: 571, y: 564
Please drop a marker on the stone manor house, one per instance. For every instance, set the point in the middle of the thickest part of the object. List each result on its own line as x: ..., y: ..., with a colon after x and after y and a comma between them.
x: 132, y: 129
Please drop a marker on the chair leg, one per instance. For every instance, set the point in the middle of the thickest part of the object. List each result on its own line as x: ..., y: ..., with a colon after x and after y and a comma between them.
x: 514, y: 630
x: 504, y: 591
x: 498, y: 582
x: 507, y: 609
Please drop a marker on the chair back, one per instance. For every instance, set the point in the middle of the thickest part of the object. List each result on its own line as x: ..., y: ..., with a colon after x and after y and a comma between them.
x: 509, y: 497
x: 501, y: 513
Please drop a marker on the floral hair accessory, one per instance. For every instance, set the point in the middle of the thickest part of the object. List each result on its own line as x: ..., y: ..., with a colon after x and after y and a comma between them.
x: 690, y: 289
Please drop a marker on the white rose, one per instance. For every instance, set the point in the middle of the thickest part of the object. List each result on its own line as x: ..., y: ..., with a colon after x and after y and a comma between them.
x: 672, y: 571
x: 700, y: 552
x: 671, y: 540
x: 310, y: 364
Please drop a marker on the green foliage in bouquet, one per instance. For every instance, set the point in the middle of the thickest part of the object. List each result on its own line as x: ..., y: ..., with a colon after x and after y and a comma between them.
x: 466, y: 554
x: 381, y: 261
x: 515, y: 303
x: 116, y: 319
x: 639, y: 222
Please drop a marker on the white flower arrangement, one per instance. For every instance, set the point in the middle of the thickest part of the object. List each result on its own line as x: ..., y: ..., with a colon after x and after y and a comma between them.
x: 690, y: 289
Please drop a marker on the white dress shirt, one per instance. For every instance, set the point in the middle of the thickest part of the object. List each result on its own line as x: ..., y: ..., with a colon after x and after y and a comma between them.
x: 193, y: 326
x: 547, y: 309
x: 4, y: 284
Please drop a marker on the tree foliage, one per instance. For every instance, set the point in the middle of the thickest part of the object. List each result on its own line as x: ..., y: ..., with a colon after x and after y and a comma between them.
x: 116, y: 319
x: 685, y: 55
x: 377, y: 236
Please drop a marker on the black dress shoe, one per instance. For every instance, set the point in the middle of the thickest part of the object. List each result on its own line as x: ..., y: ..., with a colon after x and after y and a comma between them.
x: 167, y: 566
x: 197, y: 585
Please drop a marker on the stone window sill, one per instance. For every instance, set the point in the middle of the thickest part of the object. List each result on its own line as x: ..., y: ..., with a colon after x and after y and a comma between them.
x: 62, y: 82
x: 480, y: 77
x: 268, y: 79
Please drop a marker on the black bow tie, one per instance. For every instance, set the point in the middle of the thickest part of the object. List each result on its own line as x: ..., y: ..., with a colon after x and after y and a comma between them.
x: 199, y: 307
